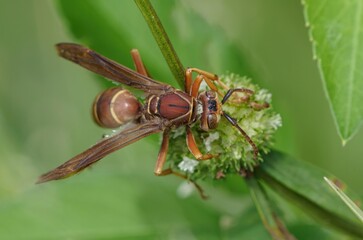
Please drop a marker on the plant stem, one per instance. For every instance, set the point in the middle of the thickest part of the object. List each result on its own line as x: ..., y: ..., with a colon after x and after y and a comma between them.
x: 162, y: 39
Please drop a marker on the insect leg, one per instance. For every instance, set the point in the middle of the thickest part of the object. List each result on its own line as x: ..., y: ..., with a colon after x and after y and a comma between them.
x: 196, y: 185
x: 161, y: 161
x: 259, y: 106
x: 162, y: 155
x: 231, y: 91
x: 139, y: 65
x: 188, y: 80
x: 255, y: 105
x: 169, y: 171
x: 192, y: 87
x: 193, y: 148
x: 209, y: 75
x: 233, y: 121
x: 196, y: 85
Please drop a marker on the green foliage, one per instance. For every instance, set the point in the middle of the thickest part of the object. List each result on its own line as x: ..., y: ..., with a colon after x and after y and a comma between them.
x: 336, y: 33
x: 44, y: 120
x: 304, y: 185
x: 353, y: 206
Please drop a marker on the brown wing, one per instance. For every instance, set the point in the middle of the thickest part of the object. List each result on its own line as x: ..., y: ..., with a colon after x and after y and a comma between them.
x: 100, y: 150
x: 96, y: 63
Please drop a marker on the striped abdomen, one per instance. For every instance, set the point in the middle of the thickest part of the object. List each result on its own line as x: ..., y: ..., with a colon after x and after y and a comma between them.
x: 115, y: 107
x: 178, y: 107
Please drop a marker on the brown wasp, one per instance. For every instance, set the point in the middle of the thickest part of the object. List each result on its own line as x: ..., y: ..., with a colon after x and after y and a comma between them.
x: 165, y: 108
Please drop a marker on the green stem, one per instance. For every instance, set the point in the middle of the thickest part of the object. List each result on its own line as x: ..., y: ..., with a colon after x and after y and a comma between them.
x: 162, y: 39
x: 269, y: 218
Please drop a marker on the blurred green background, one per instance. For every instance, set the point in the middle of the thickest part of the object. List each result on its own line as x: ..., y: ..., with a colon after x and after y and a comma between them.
x: 45, y: 119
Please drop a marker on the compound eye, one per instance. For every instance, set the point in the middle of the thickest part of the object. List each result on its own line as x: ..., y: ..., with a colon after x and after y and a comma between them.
x: 212, y: 121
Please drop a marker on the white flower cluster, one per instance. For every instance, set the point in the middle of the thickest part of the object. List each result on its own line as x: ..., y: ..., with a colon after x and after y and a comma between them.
x: 233, y: 152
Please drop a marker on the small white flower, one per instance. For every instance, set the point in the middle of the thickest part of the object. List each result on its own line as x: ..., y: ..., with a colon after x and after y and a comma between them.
x: 263, y: 96
x: 211, y: 138
x: 276, y: 121
x: 233, y: 149
x: 236, y: 153
x: 188, y: 164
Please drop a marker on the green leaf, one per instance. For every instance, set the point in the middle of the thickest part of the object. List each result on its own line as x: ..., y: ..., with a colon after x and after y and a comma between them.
x: 268, y: 216
x: 304, y: 184
x: 353, y: 206
x: 336, y: 31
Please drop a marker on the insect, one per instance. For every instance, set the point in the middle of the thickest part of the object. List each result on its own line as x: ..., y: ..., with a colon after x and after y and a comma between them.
x: 165, y: 108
